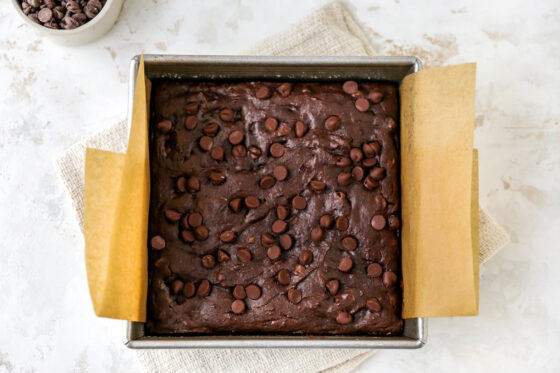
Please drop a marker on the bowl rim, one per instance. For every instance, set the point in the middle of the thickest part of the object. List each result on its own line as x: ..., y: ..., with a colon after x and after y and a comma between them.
x: 63, y: 32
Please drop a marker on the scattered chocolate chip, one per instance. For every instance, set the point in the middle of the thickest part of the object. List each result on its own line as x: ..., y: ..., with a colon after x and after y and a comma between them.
x: 235, y: 204
x: 305, y: 257
x: 284, y: 129
x: 194, y: 219
x: 191, y: 107
x: 279, y: 226
x: 284, y: 89
x: 345, y: 264
x: 238, y: 306
x: 356, y: 155
x: 294, y: 296
x: 343, y: 318
x: 271, y: 124
x: 274, y: 252
x: 299, y: 203
x: 267, y: 182
x: 326, y: 221
x: 254, y: 152
x: 374, y: 270
x: 371, y: 149
x: 332, y: 286
x: 193, y: 184
x: 253, y: 291
x: 188, y: 236
x: 262, y: 92
x: 301, y: 128
x: 191, y: 122
x: 393, y: 222
x: 362, y: 104
x: 163, y: 126
x: 216, y: 177
x: 344, y: 178
x: 189, y: 289
x: 375, y: 97
x: 238, y: 151
x: 204, y: 288
x: 373, y: 305
x: 205, y: 143
x: 332, y: 123
x: 208, y: 261
x: 228, y: 236
x: 280, y: 173
x: 236, y: 137
x: 369, y: 162
x: 158, y: 243
x: 217, y: 153
x: 226, y: 115
x: 201, y: 233
x: 370, y: 183
x: 317, y: 185
x: 282, y: 212
x: 378, y: 222
x: 349, y: 243
x: 350, y: 87
x: 181, y: 184
x: 252, y: 202
x: 286, y: 241
x: 239, y: 292
x: 277, y: 150
x: 223, y: 256
x: 343, y: 162
x: 283, y: 277
x: 358, y: 173
x: 342, y: 223
x: 211, y: 129
x: 244, y: 255
x: 172, y: 215
x: 389, y: 278
x: 267, y: 239
x: 177, y: 286
x: 317, y: 234
x: 377, y: 173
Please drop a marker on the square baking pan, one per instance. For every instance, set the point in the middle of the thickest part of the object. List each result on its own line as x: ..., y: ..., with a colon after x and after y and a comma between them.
x: 392, y: 69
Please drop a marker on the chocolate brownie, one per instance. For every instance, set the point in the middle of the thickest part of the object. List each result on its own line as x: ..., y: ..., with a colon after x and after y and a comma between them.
x: 274, y: 208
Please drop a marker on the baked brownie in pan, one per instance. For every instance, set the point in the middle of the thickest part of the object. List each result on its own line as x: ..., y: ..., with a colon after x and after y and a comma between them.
x: 274, y: 208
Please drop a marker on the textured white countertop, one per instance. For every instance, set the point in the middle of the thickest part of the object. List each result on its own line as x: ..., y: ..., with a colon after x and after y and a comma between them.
x: 53, y: 96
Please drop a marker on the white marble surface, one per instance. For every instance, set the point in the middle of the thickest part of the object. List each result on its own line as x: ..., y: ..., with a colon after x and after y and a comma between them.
x: 54, y: 96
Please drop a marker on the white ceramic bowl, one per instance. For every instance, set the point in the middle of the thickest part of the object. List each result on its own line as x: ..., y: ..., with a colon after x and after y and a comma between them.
x: 86, y: 33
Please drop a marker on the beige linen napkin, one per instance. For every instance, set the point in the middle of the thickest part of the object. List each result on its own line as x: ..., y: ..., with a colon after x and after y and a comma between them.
x: 330, y: 31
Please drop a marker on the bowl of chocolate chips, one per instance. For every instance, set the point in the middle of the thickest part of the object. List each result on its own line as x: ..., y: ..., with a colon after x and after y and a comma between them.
x: 70, y: 22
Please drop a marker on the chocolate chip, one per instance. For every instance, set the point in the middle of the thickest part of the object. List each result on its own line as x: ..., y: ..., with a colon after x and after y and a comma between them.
x: 201, y: 233
x: 228, y: 236
x: 326, y: 221
x: 279, y: 226
x: 189, y: 289
x: 193, y: 184
x: 345, y: 264
x: 205, y: 143
x: 163, y: 126
x: 267, y: 182
x: 188, y: 236
x: 181, y: 184
x: 238, y: 151
x: 172, y: 215
x: 343, y: 318
x: 375, y: 97
x: 373, y: 305
x: 262, y: 92
x: 374, y: 270
x: 284, y: 129
x: 286, y: 241
x: 283, y: 277
x: 294, y: 296
x: 349, y: 243
x: 299, y: 203
x: 318, y: 185
x: 217, y: 153
x: 271, y: 124
x: 280, y: 173
x: 254, y: 152
x: 226, y: 115
x: 238, y: 306
x: 282, y: 212
x: 378, y: 222
x: 277, y: 150
x: 343, y: 162
x: 177, y: 286
x: 216, y: 177
x: 253, y: 291
x: 332, y: 123
x: 223, y: 256
x: 235, y: 204
x: 267, y: 239
x: 158, y: 243
x: 239, y: 292
x: 370, y: 183
x: 369, y: 162
x: 305, y: 257
x: 301, y: 128
x: 244, y: 255
x: 350, y: 87
x: 204, y: 288
x: 208, y: 261
x: 342, y: 223
x: 195, y: 219
x: 284, y: 89
x: 362, y: 104
x: 191, y: 122
x: 45, y: 15
x: 371, y: 149
x: 358, y: 173
x: 211, y: 129
x: 356, y: 155
x: 393, y: 222
x: 380, y: 202
x: 317, y: 234
x: 389, y: 278
x: 332, y: 286
x: 252, y: 202
x: 344, y: 178
x: 236, y: 137
x: 274, y: 252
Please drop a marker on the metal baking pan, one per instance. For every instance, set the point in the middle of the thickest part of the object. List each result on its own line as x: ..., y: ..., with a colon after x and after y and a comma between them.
x: 392, y: 69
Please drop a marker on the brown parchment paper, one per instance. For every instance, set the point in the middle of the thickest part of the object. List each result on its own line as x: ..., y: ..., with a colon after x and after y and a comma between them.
x: 116, y: 202
x: 439, y: 193
x: 439, y: 203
